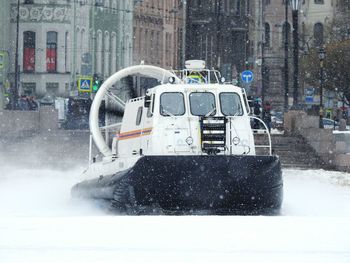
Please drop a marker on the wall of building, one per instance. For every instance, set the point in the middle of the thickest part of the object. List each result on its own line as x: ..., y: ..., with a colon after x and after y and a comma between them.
x: 256, y: 38
x: 274, y: 53
x: 42, y: 17
x: 217, y: 32
x: 157, y: 31
x: 92, y: 37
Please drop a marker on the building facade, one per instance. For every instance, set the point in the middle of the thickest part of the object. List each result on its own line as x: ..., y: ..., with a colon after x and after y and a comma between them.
x: 59, y: 41
x: 256, y: 40
x: 47, y: 51
x: 158, y: 31
x: 315, y: 19
x: 277, y: 56
x: 111, y: 36
x: 217, y: 32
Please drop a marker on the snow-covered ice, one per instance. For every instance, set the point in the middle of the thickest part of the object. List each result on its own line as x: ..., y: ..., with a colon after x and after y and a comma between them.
x: 40, y: 223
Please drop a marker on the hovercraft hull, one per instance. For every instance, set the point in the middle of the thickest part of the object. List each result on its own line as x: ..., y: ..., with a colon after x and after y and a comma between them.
x: 192, y: 185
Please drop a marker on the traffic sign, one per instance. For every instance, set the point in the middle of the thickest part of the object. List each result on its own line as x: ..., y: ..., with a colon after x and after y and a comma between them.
x: 247, y: 76
x: 2, y: 60
x: 309, y: 99
x: 85, y: 84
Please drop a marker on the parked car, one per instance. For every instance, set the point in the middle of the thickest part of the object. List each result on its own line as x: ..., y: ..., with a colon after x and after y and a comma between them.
x: 277, y: 120
x: 331, y: 124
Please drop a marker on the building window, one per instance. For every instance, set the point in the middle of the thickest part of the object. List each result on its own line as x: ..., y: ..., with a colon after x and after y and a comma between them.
x: 286, y: 27
x: 51, y: 51
x: 318, y: 34
x: 28, y: 51
x: 28, y: 1
x: 114, y: 52
x: 238, y: 8
x: 152, y: 47
x: 106, y: 54
x: 29, y: 88
x: 319, y: 2
x: 99, y: 53
x: 267, y: 35
x: 52, y: 89
x: 99, y: 3
x: 66, y: 62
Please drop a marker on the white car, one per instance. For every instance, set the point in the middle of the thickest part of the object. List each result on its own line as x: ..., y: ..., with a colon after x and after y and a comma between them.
x: 331, y: 124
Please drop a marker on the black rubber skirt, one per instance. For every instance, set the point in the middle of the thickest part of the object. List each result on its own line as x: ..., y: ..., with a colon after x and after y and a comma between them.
x: 181, y: 185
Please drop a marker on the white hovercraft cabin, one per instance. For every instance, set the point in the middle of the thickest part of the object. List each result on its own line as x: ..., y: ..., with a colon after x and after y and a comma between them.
x: 195, y: 114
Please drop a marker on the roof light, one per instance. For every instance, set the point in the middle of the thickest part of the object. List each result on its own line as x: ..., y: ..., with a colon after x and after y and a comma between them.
x: 195, y: 65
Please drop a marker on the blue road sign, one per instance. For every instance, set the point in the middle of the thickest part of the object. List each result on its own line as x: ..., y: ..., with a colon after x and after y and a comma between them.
x: 309, y: 99
x: 247, y: 76
x: 85, y: 84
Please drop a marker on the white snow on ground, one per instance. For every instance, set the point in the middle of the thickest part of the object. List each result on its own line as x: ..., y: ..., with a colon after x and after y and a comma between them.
x: 40, y: 223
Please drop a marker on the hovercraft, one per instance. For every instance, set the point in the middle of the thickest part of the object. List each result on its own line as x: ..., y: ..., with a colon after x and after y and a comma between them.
x: 186, y: 147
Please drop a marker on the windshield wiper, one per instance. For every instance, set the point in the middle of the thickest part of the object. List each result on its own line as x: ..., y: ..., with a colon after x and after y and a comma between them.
x: 167, y: 112
x: 210, y: 112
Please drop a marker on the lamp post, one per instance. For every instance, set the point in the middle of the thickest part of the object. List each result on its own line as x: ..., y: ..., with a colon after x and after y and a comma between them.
x: 295, y: 4
x: 14, y: 89
x: 321, y: 56
x: 286, y: 75
x: 184, y: 14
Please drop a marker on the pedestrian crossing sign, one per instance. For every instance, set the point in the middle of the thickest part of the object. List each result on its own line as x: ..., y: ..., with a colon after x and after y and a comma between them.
x: 85, y: 84
x: 2, y: 60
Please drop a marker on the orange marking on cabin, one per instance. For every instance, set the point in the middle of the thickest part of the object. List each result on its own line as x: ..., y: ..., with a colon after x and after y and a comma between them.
x: 134, y: 134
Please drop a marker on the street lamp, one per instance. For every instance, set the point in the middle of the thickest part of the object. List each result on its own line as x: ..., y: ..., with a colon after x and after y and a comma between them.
x: 321, y: 56
x: 286, y: 75
x: 184, y: 14
x: 295, y: 4
x: 14, y: 89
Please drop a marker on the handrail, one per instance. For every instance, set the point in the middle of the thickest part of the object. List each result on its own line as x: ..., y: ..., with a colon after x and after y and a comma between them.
x: 266, y: 131
x: 107, y: 127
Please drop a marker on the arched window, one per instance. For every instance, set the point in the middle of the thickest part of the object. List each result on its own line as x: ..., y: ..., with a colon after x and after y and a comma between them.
x: 286, y: 27
x: 76, y: 50
x: 158, y: 49
x: 114, y: 7
x: 318, y: 34
x: 66, y: 54
x: 140, y: 44
x: 267, y: 35
x: 152, y: 46
x: 99, y: 52
x: 114, y: 52
x: 83, y: 41
x: 28, y: 51
x: 106, y: 54
x: 146, y: 45
x: 126, y: 44
x: 51, y: 51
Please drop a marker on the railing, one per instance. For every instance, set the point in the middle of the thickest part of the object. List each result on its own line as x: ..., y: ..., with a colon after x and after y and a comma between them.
x: 262, y: 131
x: 107, y: 129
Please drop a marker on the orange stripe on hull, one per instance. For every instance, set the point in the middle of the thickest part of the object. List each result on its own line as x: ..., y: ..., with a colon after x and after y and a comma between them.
x: 134, y: 134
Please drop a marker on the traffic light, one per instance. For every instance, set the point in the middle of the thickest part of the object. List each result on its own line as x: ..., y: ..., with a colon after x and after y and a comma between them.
x: 96, y: 83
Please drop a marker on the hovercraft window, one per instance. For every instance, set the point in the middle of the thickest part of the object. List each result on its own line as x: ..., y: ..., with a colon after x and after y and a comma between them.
x: 230, y: 104
x: 172, y: 104
x: 139, y: 116
x: 202, y: 104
